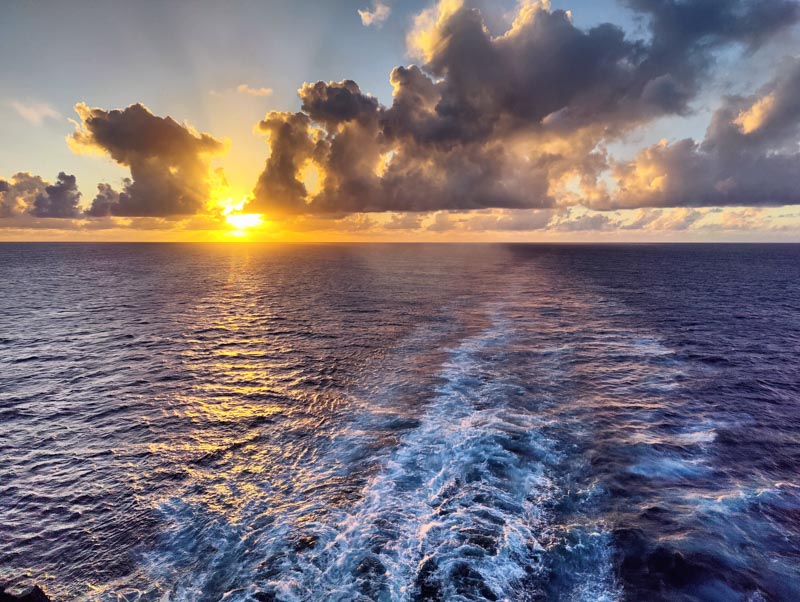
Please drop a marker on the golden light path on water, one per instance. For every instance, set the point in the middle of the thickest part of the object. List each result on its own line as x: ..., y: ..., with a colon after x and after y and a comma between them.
x: 395, y: 422
x: 241, y: 382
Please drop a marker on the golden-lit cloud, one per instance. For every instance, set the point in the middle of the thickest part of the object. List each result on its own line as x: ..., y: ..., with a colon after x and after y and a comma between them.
x: 250, y: 91
x: 486, y: 123
x: 749, y: 120
x: 426, y: 36
x: 509, y: 124
x: 749, y: 156
x: 169, y: 162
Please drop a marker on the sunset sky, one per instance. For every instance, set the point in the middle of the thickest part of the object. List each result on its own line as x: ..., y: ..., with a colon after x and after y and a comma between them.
x: 381, y: 120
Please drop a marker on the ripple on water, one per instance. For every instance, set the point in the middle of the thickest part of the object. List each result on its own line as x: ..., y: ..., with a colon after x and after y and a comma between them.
x: 474, y: 423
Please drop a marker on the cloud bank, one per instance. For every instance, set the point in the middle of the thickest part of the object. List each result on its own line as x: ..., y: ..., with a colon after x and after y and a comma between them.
x: 522, y: 119
x: 749, y: 156
x: 505, y: 127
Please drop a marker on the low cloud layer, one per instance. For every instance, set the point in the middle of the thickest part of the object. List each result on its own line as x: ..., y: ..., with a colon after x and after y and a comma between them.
x: 579, y: 220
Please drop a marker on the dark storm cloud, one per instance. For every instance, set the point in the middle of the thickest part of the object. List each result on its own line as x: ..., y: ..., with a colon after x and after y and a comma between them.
x: 58, y: 200
x: 336, y: 103
x: 106, y: 201
x: 541, y: 67
x: 368, y: 164
x: 291, y: 146
x: 682, y: 23
x: 169, y: 162
x: 748, y: 157
x: 514, y: 121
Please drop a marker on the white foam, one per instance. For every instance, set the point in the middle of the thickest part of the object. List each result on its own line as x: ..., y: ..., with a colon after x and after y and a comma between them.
x: 450, y: 498
x: 461, y: 500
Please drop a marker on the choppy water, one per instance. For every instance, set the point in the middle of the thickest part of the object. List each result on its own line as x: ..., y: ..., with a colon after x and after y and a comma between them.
x: 400, y: 422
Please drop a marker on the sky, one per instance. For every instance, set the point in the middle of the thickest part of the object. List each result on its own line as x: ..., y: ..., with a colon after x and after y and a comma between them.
x: 382, y: 120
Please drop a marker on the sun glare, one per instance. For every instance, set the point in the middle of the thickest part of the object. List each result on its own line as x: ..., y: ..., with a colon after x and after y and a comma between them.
x: 240, y: 223
x: 245, y: 221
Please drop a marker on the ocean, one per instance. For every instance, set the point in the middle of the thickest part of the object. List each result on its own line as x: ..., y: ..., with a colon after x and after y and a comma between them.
x: 400, y: 422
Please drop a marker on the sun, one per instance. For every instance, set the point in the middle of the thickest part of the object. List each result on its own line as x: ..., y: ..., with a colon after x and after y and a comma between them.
x: 245, y: 221
x: 239, y: 222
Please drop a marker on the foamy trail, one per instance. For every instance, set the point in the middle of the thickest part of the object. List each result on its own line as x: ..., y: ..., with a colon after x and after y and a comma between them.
x: 466, y: 504
x: 460, y: 510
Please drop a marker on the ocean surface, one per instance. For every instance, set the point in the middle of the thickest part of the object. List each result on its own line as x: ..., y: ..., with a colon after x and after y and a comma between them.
x: 400, y: 422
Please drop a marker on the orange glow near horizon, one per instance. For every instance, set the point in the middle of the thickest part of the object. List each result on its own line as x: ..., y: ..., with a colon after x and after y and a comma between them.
x: 245, y: 221
x: 240, y: 223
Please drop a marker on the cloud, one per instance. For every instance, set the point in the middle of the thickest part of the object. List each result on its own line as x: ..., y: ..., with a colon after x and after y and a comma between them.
x: 18, y: 194
x: 682, y: 218
x: 26, y: 196
x: 58, y: 200
x: 375, y: 16
x: 334, y: 103
x: 504, y: 125
x: 441, y: 223
x: 169, y: 162
x: 753, y: 118
x: 749, y: 156
x: 584, y: 222
x: 512, y: 220
x: 404, y: 221
x: 292, y: 144
x: 522, y: 119
x: 502, y: 220
x: 35, y: 112
x: 751, y: 218
x: 245, y: 89
x: 357, y: 223
x: 689, y: 24
x: 107, y: 200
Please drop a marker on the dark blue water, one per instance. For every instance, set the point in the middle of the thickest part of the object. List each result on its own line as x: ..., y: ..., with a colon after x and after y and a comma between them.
x: 400, y: 422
